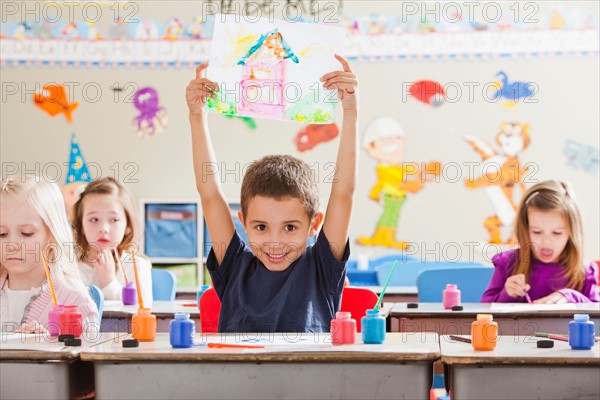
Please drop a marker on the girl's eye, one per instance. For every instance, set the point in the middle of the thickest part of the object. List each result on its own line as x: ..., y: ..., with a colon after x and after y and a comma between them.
x: 290, y: 228
x: 27, y: 234
x: 114, y: 219
x: 261, y: 227
x: 536, y: 232
x: 93, y: 219
x: 558, y: 233
x: 3, y: 234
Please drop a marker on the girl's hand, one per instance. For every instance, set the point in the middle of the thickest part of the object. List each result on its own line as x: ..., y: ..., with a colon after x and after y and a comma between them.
x: 104, y: 268
x: 31, y: 327
x: 554, y: 298
x: 345, y: 82
x: 199, y: 90
x: 515, y: 286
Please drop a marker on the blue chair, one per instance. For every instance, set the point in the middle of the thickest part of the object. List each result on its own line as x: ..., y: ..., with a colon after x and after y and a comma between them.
x: 401, y: 257
x: 164, y: 284
x: 98, y: 297
x: 406, y: 273
x: 472, y: 282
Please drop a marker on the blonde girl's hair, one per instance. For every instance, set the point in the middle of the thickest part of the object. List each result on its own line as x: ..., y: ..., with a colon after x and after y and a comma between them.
x: 553, y: 195
x: 110, y: 187
x: 47, y: 201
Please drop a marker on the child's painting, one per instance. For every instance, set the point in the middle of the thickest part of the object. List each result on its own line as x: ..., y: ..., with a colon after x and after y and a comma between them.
x: 272, y: 69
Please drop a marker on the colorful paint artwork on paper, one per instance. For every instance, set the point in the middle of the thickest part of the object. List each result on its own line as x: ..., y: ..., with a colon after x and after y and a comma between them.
x: 53, y: 100
x: 501, y: 173
x: 384, y: 142
x: 272, y: 69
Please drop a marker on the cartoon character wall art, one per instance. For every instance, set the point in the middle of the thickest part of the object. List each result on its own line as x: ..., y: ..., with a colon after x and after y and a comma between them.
x: 54, y: 101
x: 501, y: 172
x: 384, y: 141
x: 152, y: 116
x: 429, y: 92
x: 513, y: 92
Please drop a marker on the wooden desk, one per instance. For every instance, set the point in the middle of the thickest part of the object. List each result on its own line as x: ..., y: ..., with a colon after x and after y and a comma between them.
x: 291, y: 366
x: 39, y: 366
x: 512, y: 320
x: 517, y: 369
x: 117, y: 318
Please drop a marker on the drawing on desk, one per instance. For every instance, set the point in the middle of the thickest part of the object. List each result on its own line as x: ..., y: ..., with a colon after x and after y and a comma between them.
x: 508, y: 307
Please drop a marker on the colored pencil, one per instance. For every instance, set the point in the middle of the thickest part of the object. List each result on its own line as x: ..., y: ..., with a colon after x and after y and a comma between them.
x: 528, y: 298
x: 49, y: 279
x: 460, y: 339
x: 137, y: 281
x: 555, y: 336
x: 120, y: 265
x: 385, y: 286
x: 234, y: 346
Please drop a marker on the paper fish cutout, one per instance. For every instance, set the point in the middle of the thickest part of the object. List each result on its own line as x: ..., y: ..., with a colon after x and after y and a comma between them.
x: 428, y: 92
x: 153, y: 117
x: 313, y: 134
x: 512, y: 91
x: 54, y: 101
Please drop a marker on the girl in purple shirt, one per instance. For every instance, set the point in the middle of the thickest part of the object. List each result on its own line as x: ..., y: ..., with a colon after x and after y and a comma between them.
x: 548, y: 266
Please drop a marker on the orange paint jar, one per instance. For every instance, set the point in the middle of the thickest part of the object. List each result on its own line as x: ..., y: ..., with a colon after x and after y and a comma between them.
x: 484, y: 333
x: 143, y: 325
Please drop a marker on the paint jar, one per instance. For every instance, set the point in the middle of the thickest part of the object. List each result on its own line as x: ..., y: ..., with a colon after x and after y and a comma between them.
x: 129, y: 294
x: 143, y: 325
x: 203, y: 289
x: 70, y: 322
x: 373, y: 327
x: 343, y: 328
x: 581, y: 332
x: 181, y: 331
x: 484, y: 333
x: 451, y: 296
x: 53, y: 327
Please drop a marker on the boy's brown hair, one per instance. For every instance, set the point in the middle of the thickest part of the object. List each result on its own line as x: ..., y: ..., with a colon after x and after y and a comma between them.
x: 279, y: 177
x: 106, y: 186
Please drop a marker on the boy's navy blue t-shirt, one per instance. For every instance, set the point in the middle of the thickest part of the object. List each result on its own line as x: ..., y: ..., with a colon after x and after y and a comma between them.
x: 303, y: 298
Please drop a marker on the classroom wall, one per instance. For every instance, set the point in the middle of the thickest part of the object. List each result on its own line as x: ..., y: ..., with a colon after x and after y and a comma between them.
x: 443, y: 221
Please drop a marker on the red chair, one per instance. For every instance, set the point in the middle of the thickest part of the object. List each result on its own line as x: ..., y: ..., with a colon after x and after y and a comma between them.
x: 354, y: 300
x: 210, y: 308
x: 357, y: 301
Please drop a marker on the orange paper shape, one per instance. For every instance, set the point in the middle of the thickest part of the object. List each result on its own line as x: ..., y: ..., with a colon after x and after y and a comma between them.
x: 54, y: 101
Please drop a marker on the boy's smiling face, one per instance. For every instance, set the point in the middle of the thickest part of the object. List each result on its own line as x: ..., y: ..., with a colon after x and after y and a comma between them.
x: 278, y: 230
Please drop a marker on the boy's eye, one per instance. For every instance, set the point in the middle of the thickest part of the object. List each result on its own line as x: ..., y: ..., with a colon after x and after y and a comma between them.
x: 261, y: 227
x: 3, y: 234
x: 290, y: 228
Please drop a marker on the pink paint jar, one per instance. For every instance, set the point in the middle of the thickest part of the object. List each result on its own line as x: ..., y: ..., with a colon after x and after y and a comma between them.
x: 343, y: 328
x: 451, y: 296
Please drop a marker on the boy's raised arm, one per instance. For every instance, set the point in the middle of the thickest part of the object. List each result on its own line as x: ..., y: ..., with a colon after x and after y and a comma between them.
x: 339, y: 207
x: 214, y: 205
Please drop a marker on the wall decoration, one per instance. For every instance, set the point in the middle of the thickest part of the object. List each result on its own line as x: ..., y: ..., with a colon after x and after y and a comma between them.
x: 384, y: 141
x: 272, y: 69
x: 54, y: 101
x: 311, y: 135
x: 501, y: 173
x: 153, y: 117
x: 582, y: 156
x: 77, y: 176
x: 513, y: 92
x: 429, y: 92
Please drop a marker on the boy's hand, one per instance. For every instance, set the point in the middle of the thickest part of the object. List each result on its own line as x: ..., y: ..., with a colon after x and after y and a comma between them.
x: 515, y: 286
x: 198, y: 90
x: 345, y: 82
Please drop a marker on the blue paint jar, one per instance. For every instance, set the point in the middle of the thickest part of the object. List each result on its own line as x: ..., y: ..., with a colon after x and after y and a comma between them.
x: 581, y: 332
x: 181, y: 331
x: 203, y: 289
x: 373, y: 327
